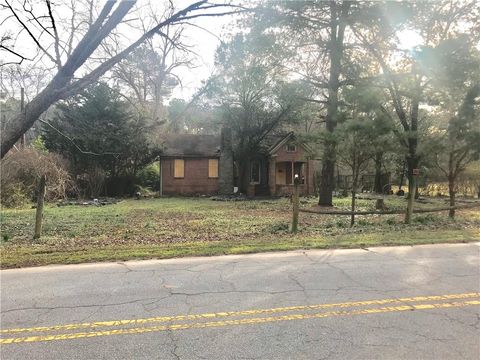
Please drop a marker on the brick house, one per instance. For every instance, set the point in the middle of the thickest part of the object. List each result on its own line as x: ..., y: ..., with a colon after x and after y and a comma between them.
x: 189, y: 165
x: 203, y: 164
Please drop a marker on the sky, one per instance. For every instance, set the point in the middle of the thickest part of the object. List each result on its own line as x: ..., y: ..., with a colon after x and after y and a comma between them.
x: 204, y: 43
x: 203, y: 38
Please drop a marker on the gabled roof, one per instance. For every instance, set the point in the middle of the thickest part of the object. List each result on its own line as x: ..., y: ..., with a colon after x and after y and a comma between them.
x: 283, y: 141
x: 191, y: 145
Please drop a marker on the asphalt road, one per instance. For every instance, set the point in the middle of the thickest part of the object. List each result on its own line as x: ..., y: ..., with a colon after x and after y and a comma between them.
x: 418, y: 302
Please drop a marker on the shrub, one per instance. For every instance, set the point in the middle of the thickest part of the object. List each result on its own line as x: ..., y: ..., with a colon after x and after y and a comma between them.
x: 279, y: 227
x: 425, y: 219
x: 21, y: 171
x: 391, y: 221
x: 149, y: 176
x: 341, y: 224
x: 92, y: 182
x: 363, y: 222
x: 14, y: 196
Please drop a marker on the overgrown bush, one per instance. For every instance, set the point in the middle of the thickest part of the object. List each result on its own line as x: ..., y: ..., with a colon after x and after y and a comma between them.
x: 149, y: 176
x: 464, y: 187
x: 91, y: 183
x: 21, y: 170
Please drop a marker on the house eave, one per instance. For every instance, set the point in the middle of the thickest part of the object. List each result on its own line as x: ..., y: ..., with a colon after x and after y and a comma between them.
x: 189, y: 156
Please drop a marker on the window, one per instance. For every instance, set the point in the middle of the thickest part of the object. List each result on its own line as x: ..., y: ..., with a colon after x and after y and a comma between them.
x: 179, y: 168
x: 213, y: 168
x: 255, y: 172
x: 291, y: 148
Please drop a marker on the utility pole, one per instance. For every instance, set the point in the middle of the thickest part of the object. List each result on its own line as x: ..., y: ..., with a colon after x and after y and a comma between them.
x: 22, y: 109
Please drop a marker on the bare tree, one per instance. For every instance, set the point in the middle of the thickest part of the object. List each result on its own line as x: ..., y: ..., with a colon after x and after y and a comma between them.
x: 149, y: 72
x: 42, y: 29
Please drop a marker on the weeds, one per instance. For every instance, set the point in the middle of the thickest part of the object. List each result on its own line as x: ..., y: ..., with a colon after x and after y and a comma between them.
x: 239, y: 226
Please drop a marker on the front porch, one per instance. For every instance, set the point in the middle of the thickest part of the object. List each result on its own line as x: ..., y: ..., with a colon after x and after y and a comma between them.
x: 282, y: 174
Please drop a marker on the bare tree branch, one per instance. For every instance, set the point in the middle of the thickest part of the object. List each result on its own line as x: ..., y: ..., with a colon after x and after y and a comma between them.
x: 55, y: 36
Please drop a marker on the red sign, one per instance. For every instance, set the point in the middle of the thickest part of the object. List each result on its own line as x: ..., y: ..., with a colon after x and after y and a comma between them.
x: 416, y: 172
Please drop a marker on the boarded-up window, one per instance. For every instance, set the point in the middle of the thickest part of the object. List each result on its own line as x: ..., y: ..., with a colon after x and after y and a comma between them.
x: 179, y: 168
x: 213, y: 168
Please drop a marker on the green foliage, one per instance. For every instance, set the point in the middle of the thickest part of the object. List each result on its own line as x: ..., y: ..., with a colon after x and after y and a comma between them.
x: 39, y: 144
x: 390, y: 221
x: 363, y: 222
x: 279, y: 227
x: 341, y: 224
x: 16, y: 195
x: 455, y: 135
x: 425, y: 219
x: 172, y: 227
x: 97, y: 129
x: 149, y: 176
x: 251, y: 93
x: 5, y: 237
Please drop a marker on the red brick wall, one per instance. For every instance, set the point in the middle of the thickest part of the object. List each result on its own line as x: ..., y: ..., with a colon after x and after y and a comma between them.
x: 194, y: 182
x: 283, y: 155
x: 299, y: 155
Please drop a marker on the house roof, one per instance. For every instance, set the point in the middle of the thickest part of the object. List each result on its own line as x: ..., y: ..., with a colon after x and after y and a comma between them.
x: 271, y: 141
x: 195, y: 145
x: 191, y: 145
x: 284, y: 139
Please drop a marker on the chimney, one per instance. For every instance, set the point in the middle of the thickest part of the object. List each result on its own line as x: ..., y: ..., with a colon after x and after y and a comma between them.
x: 226, y: 162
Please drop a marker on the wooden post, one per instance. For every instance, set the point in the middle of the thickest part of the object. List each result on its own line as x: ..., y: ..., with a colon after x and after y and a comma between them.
x: 411, y: 199
x: 296, y: 203
x: 352, y: 218
x: 380, y: 204
x: 39, y: 212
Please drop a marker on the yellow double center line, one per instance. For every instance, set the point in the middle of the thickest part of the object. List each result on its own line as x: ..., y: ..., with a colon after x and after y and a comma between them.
x: 244, y: 321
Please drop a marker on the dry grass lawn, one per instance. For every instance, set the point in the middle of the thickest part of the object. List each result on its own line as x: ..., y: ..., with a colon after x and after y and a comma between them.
x: 171, y: 227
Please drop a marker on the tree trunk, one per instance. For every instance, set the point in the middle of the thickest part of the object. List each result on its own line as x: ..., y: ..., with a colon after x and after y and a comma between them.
x: 327, y: 182
x: 412, y: 157
x: 337, y: 31
x: 352, y: 219
x: 412, y: 160
x: 60, y: 86
x: 380, y: 204
x: 451, y: 192
x: 402, y: 177
x: 55, y: 89
x: 378, y: 186
x: 25, y: 120
x: 411, y: 199
x: 412, y: 163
